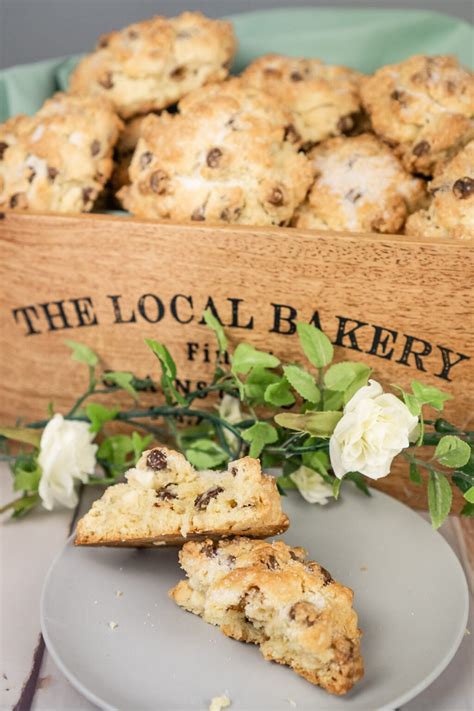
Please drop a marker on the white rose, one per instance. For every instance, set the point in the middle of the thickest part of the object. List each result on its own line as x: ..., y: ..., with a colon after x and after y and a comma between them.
x: 229, y: 410
x: 66, y: 455
x: 375, y: 427
x: 311, y: 485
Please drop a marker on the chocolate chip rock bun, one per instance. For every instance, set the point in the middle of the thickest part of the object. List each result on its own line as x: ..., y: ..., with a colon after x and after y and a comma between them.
x: 422, y: 107
x: 152, y: 64
x: 324, y: 100
x: 225, y: 158
x: 59, y: 159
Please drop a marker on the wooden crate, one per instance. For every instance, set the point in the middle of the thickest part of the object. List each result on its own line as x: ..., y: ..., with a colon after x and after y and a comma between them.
x: 400, y: 304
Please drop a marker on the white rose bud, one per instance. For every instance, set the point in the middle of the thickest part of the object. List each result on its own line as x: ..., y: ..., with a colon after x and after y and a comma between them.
x: 374, y: 428
x: 311, y: 485
x: 66, y: 455
x: 229, y: 410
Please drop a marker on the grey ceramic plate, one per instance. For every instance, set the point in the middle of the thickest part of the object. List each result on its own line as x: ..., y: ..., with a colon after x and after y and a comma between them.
x: 162, y: 658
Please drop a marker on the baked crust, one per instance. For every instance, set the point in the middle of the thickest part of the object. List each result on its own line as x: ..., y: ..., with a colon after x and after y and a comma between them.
x: 324, y: 99
x: 424, y: 108
x: 451, y: 211
x: 58, y: 160
x: 225, y: 158
x: 360, y: 186
x: 175, y: 503
x: 269, y: 594
x: 151, y: 64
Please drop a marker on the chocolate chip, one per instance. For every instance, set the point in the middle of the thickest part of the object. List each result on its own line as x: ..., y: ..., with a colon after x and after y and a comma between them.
x: 353, y: 195
x: 145, y: 159
x: 165, y: 494
x: 272, y: 71
x: 272, y: 563
x: 178, y: 73
x: 19, y: 200
x: 294, y: 556
x: 159, y: 181
x: 213, y: 157
x: 106, y: 80
x: 2, y: 215
x: 326, y: 575
x: 228, y: 215
x: 296, y: 76
x: 233, y: 471
x: 202, y: 501
x: 303, y: 613
x: 95, y: 148
x: 291, y: 134
x: 397, y: 95
x: 52, y: 174
x: 156, y: 460
x: 209, y: 549
x: 463, y: 188
x: 103, y: 42
x: 421, y: 148
x: 3, y: 148
x: 307, y: 146
x: 276, y: 197
x: 345, y: 123
x: 32, y: 174
x: 132, y: 34
x: 88, y: 195
x: 198, y: 215
x: 230, y: 561
x: 450, y: 87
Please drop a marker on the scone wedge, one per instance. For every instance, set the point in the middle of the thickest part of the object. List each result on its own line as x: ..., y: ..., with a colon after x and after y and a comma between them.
x: 269, y: 594
x: 167, y: 501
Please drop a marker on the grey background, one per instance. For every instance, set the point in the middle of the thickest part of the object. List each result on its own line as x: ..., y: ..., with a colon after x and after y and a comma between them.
x: 31, y: 30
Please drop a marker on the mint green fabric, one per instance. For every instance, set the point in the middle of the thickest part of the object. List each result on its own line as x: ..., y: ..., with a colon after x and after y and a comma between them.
x: 360, y: 38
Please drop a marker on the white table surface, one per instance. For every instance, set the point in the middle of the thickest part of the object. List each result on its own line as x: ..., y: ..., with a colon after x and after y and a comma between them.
x: 30, y: 679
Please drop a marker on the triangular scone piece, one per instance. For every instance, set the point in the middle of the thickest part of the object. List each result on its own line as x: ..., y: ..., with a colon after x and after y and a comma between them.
x: 269, y: 594
x: 167, y: 501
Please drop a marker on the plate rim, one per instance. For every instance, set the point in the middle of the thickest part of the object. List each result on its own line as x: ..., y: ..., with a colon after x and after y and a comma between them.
x: 396, y: 703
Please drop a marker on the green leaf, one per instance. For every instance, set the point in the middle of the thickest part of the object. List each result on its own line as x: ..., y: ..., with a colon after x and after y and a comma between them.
x: 359, y: 381
x: 468, y: 510
x: 206, y: 454
x: 341, y: 375
x: 279, y: 394
x: 82, y: 353
x: 123, y: 380
x: 22, y: 434
x: 216, y: 326
x: 315, y: 344
x: 139, y: 444
x: 336, y: 487
x: 168, y: 368
x: 429, y: 395
x: 258, y: 435
x: 257, y: 382
x: 469, y: 495
x: 25, y: 504
x: 164, y: 356
x: 452, y: 451
x: 439, y: 498
x: 359, y: 481
x: 415, y: 475
x: 247, y: 357
x: 99, y: 415
x: 333, y: 400
x: 303, y: 382
x: 412, y: 403
x: 26, y: 472
x: 113, y: 453
x: 318, y: 424
x: 319, y: 461
x: 285, y: 482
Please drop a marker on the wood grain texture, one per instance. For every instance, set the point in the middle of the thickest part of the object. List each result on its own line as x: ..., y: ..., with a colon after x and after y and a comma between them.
x: 409, y: 294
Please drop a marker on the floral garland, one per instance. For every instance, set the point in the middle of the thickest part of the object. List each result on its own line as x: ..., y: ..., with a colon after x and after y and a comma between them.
x: 324, y: 424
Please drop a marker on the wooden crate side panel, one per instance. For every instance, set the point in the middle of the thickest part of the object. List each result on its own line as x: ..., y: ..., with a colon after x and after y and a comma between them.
x: 401, y: 305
